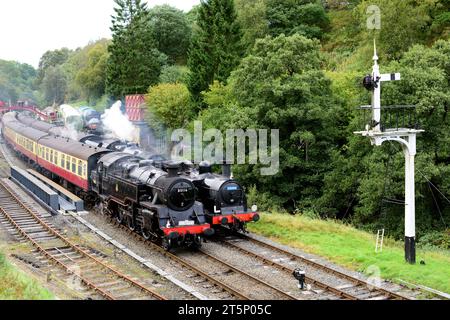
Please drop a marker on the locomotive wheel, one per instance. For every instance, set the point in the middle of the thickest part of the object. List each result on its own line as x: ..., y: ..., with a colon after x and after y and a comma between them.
x: 146, y: 234
x: 120, y: 216
x: 131, y: 224
x: 106, y: 212
x: 196, y: 243
x: 166, y: 244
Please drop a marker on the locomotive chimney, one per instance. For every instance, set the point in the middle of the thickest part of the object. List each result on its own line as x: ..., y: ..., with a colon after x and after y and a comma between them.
x: 204, y: 167
x: 173, y: 169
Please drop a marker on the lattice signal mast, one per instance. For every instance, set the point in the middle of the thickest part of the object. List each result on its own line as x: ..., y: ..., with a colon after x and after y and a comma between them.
x: 405, y: 136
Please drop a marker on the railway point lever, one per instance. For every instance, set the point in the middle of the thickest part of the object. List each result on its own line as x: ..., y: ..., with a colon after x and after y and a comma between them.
x: 300, y: 275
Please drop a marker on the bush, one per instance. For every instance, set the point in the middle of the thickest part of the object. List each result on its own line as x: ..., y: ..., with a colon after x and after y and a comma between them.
x: 171, y: 104
x: 173, y: 74
x: 263, y: 200
x: 436, y: 239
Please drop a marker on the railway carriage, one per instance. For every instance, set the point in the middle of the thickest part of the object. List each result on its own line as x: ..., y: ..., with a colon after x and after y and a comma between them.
x: 70, y: 161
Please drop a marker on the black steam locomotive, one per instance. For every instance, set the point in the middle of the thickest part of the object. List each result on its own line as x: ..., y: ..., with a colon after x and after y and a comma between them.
x: 224, y: 198
x: 160, y: 205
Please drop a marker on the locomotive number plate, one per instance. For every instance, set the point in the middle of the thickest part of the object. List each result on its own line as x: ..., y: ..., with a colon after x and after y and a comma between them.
x: 186, y: 223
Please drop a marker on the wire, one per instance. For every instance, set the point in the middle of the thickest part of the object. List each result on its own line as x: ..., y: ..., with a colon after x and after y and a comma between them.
x: 437, y: 206
x: 430, y: 184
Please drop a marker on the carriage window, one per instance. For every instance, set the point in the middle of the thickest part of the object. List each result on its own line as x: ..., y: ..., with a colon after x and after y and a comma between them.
x: 63, y: 160
x: 84, y: 170
x: 56, y: 157
x: 80, y: 168
x: 74, y: 165
x: 51, y: 156
x: 68, y: 163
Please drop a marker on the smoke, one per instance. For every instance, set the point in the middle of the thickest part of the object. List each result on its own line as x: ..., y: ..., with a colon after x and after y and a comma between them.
x: 72, y: 120
x: 118, y: 124
x: 69, y: 111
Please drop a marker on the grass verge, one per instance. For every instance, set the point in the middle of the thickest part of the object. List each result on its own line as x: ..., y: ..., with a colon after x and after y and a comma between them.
x: 15, y: 285
x: 355, y: 249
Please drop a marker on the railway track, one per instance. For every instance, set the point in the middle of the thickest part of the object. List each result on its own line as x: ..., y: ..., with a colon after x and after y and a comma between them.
x: 218, y: 284
x: 257, y: 285
x: 87, y: 267
x: 354, y: 289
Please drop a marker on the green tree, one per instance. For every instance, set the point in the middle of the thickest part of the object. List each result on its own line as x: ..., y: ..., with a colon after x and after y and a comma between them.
x: 281, y: 86
x: 92, y: 77
x: 192, y: 15
x: 216, y: 47
x: 52, y: 59
x: 170, y: 103
x: 306, y: 17
x: 172, y: 32
x: 440, y: 14
x: 403, y: 23
x: 174, y: 74
x: 134, y: 62
x: 252, y: 19
x: 54, y: 85
x: 17, y: 81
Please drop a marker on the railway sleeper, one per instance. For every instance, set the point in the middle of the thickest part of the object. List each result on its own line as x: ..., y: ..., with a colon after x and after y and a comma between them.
x: 117, y: 289
x: 42, y: 237
x: 27, y: 223
x: 108, y: 284
x: 25, y: 218
x: 132, y: 295
x: 68, y: 257
x: 368, y: 295
x: 33, y: 230
x: 93, y: 272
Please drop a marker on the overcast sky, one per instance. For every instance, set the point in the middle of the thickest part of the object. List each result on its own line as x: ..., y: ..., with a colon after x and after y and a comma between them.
x: 28, y: 28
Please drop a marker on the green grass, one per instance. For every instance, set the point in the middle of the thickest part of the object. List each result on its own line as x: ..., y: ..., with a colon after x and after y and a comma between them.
x: 15, y: 285
x: 355, y: 249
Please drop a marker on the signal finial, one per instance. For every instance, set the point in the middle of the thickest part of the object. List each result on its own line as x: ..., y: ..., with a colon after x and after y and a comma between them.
x: 375, y: 55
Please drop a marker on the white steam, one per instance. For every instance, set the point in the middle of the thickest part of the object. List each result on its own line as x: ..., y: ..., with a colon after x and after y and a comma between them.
x: 69, y: 111
x: 72, y: 121
x: 118, y: 124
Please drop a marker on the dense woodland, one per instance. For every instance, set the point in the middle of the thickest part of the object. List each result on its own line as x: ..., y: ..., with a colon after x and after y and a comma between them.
x: 296, y: 65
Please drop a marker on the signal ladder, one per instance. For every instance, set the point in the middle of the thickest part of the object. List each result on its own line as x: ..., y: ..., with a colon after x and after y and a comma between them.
x: 380, y: 239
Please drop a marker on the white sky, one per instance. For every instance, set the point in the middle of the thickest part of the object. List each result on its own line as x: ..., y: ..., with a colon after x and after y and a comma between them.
x: 28, y: 28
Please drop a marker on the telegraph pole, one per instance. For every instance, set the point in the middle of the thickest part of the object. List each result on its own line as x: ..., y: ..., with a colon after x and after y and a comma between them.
x: 406, y: 137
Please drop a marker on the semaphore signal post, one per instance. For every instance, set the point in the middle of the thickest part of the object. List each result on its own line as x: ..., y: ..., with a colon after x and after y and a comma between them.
x: 403, y: 133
